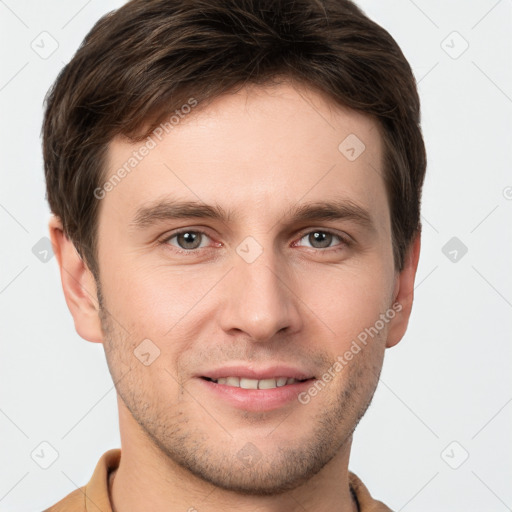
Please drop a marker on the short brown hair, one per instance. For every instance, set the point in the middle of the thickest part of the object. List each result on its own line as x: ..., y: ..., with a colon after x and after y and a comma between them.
x: 141, y: 62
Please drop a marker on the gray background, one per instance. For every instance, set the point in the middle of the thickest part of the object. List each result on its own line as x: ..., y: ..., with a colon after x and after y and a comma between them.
x: 445, y: 392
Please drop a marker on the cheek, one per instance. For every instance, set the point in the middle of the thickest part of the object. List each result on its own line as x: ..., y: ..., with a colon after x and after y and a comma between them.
x: 155, y: 298
x: 170, y: 308
x: 347, y: 300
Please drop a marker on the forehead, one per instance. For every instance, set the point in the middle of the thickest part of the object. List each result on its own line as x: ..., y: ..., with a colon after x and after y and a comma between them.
x: 260, y: 149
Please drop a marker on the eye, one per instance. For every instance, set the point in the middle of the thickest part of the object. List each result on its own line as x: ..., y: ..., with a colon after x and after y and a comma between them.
x: 190, y: 240
x: 321, y: 239
x: 187, y: 240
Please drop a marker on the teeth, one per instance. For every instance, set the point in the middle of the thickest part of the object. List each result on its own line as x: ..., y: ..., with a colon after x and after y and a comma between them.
x: 244, y: 383
x: 267, y: 384
x: 233, y: 381
x: 248, y: 383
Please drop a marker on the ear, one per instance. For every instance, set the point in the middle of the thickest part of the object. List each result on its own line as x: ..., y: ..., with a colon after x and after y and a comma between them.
x: 404, y: 293
x: 78, y: 284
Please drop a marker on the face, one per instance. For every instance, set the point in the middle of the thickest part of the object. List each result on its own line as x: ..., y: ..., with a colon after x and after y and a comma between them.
x: 248, y: 248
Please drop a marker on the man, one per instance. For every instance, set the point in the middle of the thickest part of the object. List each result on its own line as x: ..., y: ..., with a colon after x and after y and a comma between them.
x: 236, y: 192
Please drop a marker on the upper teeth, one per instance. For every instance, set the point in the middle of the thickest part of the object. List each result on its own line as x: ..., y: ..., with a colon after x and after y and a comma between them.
x: 238, y: 382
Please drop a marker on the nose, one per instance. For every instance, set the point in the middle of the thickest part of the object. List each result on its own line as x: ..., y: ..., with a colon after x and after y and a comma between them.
x: 259, y: 299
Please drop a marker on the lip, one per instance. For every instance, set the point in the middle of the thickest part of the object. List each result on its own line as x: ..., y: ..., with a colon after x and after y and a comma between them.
x: 255, y: 400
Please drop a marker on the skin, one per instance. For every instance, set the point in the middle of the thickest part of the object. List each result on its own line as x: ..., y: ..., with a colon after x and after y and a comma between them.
x: 256, y: 153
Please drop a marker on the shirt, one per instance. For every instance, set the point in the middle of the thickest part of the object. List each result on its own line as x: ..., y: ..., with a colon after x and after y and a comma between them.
x: 94, y: 496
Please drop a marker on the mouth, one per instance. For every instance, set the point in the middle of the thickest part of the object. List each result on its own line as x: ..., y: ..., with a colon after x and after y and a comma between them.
x: 250, y: 389
x: 246, y: 383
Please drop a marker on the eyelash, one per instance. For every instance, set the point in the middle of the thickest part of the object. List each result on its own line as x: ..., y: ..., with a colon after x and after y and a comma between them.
x: 345, y: 241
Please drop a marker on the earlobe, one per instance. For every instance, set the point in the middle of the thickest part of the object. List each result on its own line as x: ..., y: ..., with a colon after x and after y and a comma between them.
x: 404, y: 293
x: 78, y: 284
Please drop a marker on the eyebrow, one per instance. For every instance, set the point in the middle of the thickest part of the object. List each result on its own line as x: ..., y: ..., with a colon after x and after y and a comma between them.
x: 329, y: 210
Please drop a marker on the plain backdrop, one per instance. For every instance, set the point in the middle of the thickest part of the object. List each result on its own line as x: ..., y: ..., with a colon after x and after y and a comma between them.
x: 437, y: 435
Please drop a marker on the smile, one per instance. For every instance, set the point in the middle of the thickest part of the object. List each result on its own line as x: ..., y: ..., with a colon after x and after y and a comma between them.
x: 245, y: 383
